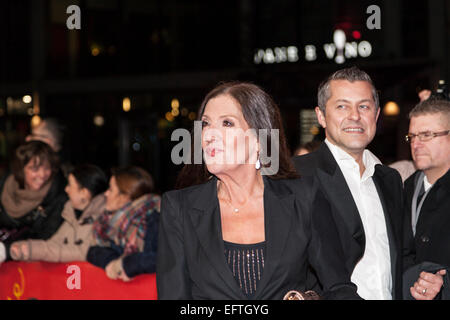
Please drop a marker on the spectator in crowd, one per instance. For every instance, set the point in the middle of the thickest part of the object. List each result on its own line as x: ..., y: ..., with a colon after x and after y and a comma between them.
x: 307, y: 147
x: 236, y: 233
x: 124, y: 236
x: 404, y: 167
x: 32, y: 197
x: 86, y: 184
x: 365, y: 196
x: 50, y: 131
x: 428, y: 197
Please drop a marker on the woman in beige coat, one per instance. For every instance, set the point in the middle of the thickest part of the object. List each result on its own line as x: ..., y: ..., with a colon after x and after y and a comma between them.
x: 71, y: 242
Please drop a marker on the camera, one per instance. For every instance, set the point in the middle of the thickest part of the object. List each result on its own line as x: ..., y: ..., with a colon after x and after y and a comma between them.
x: 441, y: 92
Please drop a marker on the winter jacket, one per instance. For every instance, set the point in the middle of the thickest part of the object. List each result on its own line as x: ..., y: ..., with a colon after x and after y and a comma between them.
x: 41, y: 222
x: 71, y: 241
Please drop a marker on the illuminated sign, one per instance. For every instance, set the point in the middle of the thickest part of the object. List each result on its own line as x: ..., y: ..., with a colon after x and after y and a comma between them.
x: 339, y: 50
x: 276, y: 55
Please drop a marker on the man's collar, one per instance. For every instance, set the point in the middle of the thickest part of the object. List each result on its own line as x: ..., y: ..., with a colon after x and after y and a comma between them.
x: 369, y: 159
x: 443, y: 180
x: 427, y: 185
x: 337, y: 152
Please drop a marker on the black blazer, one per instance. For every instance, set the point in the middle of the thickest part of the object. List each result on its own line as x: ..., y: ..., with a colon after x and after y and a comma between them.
x: 299, y: 230
x: 322, y: 165
x: 432, y: 229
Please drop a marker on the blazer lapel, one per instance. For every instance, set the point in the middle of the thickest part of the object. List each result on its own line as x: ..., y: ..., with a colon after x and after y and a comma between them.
x: 388, y: 209
x: 205, y: 217
x: 337, y: 190
x: 433, y: 200
x: 278, y: 213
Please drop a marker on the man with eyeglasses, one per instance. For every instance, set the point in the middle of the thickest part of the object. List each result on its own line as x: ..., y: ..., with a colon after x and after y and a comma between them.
x: 427, y: 193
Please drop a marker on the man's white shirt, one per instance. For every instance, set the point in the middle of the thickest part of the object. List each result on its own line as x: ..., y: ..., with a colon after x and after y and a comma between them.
x: 372, y: 274
x: 426, y: 185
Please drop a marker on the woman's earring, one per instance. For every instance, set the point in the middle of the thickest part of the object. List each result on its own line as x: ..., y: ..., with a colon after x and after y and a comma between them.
x: 258, y: 164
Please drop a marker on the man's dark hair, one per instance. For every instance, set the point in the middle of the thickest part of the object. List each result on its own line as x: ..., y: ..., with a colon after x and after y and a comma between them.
x: 432, y: 106
x: 350, y: 74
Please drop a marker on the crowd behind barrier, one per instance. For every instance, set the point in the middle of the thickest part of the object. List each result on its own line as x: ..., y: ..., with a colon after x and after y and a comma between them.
x: 69, y: 281
x: 122, y: 242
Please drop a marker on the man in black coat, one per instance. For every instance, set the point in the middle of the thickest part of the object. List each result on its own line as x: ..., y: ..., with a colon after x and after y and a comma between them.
x: 427, y: 193
x: 366, y: 196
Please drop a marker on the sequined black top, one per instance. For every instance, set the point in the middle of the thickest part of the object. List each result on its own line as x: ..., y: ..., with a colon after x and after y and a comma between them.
x: 246, y: 261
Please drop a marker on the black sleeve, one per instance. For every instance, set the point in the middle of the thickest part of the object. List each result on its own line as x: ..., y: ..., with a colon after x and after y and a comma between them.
x: 409, y: 247
x: 101, y: 256
x: 326, y: 254
x: 172, y: 278
x: 144, y: 262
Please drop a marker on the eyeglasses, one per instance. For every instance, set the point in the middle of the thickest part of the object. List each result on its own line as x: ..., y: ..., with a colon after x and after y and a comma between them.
x: 425, y: 136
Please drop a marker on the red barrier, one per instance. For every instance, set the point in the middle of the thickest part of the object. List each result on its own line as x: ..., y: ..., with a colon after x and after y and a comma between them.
x: 70, y: 281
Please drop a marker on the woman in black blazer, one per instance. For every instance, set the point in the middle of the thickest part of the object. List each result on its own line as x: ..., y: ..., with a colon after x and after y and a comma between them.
x: 243, y: 226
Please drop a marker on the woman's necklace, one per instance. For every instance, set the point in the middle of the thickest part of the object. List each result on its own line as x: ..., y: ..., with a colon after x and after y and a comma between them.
x: 235, y: 210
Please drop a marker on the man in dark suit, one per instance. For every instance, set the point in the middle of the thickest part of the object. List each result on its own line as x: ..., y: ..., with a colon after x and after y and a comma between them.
x: 427, y: 194
x: 366, y: 196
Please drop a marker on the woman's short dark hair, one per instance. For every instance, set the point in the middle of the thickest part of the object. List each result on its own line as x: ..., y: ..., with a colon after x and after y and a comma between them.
x: 133, y: 181
x: 260, y: 112
x: 90, y: 177
x: 33, y: 150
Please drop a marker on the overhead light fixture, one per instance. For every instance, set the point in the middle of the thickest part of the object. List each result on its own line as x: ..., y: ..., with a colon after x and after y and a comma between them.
x: 126, y: 104
x: 391, y: 109
x: 99, y: 120
x: 27, y: 99
x: 175, y: 103
x: 35, y: 121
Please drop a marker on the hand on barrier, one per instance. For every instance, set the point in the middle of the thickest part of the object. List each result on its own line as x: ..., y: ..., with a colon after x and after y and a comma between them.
x: 2, y: 253
x: 20, y: 251
x: 114, y: 270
